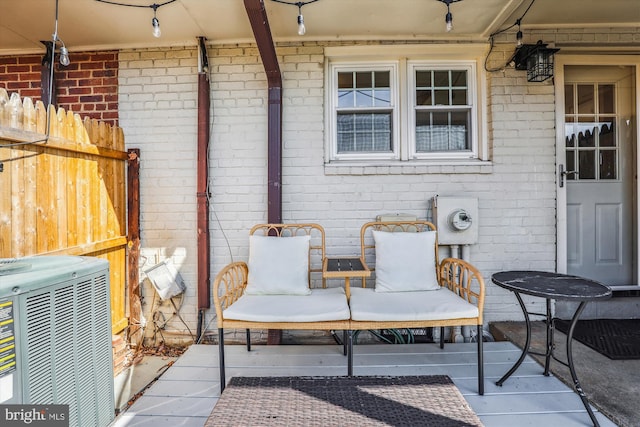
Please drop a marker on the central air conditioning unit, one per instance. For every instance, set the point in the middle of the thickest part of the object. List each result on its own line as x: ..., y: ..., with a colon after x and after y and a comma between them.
x: 55, y: 336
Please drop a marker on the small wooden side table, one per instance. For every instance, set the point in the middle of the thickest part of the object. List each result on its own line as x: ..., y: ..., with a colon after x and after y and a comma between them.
x: 345, y: 267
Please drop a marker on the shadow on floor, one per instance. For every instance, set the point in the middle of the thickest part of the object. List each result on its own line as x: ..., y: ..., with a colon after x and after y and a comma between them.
x: 613, y: 386
x: 134, y: 379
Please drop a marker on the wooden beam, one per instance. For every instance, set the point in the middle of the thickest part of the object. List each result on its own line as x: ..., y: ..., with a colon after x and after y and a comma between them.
x: 262, y: 32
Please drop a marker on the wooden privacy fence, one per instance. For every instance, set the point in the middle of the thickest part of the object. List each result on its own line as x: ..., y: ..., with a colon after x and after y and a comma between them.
x: 65, y: 194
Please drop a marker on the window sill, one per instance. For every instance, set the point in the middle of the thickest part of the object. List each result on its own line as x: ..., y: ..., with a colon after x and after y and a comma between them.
x: 413, y: 167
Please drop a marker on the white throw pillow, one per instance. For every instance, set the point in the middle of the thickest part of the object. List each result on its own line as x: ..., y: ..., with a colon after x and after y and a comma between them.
x: 405, y: 261
x: 278, y: 265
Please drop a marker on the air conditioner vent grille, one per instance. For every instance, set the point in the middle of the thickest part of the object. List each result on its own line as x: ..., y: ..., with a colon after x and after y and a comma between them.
x: 64, y: 347
x: 63, y: 319
x: 39, y: 347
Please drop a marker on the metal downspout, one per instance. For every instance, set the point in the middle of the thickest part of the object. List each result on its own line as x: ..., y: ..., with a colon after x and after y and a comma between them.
x: 260, y: 25
x: 204, y: 264
x: 262, y: 32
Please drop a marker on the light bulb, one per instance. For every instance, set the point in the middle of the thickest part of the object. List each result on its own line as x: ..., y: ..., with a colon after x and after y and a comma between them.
x: 64, y: 56
x: 449, y: 20
x: 156, y: 27
x: 519, y: 38
x: 301, y: 28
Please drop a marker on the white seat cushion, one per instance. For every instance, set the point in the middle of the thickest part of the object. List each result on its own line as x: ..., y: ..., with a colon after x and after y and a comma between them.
x: 320, y: 306
x: 368, y: 305
x: 405, y: 261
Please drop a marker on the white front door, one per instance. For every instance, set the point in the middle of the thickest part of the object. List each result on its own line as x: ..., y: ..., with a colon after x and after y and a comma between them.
x: 599, y: 173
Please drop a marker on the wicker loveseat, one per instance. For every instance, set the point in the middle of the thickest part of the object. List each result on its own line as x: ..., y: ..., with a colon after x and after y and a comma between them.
x: 412, y: 289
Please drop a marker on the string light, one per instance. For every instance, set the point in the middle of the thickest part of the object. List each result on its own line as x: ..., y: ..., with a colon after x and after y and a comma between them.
x: 448, y: 18
x: 518, y: 35
x: 155, y: 22
x: 302, y: 29
x: 64, y: 55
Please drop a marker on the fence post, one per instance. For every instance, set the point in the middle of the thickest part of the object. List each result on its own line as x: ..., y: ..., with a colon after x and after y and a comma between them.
x: 133, y: 244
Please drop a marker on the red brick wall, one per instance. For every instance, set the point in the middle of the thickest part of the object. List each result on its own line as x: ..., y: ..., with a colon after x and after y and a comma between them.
x: 88, y: 86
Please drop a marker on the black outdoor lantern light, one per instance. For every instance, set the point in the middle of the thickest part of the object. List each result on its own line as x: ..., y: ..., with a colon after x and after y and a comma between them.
x: 537, y: 59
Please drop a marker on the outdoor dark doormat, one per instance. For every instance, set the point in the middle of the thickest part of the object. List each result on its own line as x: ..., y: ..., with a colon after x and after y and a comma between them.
x: 342, y: 401
x: 618, y: 339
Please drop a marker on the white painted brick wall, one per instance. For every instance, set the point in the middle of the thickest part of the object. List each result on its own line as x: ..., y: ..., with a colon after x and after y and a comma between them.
x: 158, y: 99
x: 158, y: 113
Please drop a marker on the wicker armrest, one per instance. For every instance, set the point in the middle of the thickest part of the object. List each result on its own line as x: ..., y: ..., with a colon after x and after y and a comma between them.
x: 464, y: 280
x: 228, y: 286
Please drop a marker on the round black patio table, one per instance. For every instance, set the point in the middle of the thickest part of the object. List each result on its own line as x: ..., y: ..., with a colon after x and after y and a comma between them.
x: 551, y: 286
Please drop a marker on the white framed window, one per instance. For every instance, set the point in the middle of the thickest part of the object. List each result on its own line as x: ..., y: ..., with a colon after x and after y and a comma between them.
x: 365, y: 112
x: 407, y: 109
x: 442, y: 119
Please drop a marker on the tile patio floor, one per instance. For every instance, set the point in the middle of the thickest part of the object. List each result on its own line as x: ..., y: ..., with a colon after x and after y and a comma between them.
x: 186, y: 394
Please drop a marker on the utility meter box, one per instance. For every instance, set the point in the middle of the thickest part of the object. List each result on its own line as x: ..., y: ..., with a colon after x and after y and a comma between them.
x: 456, y: 219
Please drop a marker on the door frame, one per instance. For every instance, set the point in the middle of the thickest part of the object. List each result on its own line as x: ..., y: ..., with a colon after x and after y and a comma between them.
x: 561, y: 193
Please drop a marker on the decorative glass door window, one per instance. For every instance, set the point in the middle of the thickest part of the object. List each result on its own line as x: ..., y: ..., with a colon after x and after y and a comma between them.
x: 590, y: 132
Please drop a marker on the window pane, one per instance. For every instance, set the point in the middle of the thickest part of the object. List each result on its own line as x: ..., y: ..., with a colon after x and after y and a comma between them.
x: 423, y: 97
x: 440, y: 132
x: 382, y: 121
x: 459, y: 78
x: 364, y: 122
x: 608, y: 164
x: 571, y: 164
x: 585, y: 134
x: 586, y: 99
x: 607, y: 132
x: 459, y: 131
x: 382, y: 98
x: 587, y: 164
x: 345, y: 80
x: 606, y: 99
x: 346, y: 142
x: 346, y: 132
x: 363, y: 141
x: 568, y: 99
x: 382, y: 79
x: 569, y: 133
x: 363, y: 80
x: 364, y: 98
x: 441, y: 97
x: 586, y: 139
x: 364, y: 132
x: 423, y: 79
x: 441, y: 78
x: 382, y: 141
x: 459, y: 97
x: 346, y: 98
x: 423, y: 131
